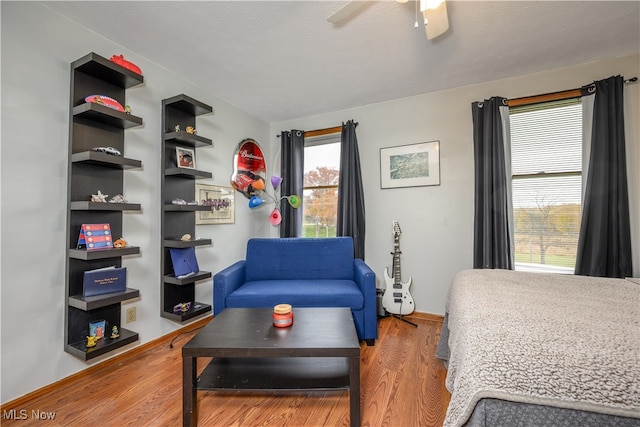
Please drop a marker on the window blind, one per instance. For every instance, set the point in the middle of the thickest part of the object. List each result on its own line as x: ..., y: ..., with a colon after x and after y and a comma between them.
x: 546, y: 151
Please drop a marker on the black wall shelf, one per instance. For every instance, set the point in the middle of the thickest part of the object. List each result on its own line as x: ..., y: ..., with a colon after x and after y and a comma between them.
x: 93, y: 125
x: 176, y: 220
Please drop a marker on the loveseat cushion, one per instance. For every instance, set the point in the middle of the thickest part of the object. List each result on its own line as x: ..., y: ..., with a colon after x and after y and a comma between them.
x: 298, y: 293
x: 294, y: 258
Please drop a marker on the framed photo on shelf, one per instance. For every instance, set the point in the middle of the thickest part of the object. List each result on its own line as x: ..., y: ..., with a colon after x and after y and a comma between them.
x: 186, y: 158
x: 96, y: 328
x: 411, y: 165
x: 222, y: 203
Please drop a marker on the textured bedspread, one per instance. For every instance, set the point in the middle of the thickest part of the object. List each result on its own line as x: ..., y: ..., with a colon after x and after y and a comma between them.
x: 558, y: 340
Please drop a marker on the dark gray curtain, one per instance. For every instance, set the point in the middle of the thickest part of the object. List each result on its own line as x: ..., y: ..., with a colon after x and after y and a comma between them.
x: 351, y: 215
x: 292, y: 172
x: 493, y: 228
x: 604, y: 244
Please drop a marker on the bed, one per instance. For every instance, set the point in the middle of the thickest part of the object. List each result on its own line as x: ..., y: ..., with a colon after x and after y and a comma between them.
x: 541, y: 349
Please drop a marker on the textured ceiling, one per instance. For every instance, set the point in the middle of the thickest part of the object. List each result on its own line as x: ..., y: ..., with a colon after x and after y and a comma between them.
x: 280, y: 60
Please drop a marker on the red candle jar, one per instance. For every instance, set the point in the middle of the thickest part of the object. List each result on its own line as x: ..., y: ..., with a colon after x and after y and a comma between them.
x: 282, y: 316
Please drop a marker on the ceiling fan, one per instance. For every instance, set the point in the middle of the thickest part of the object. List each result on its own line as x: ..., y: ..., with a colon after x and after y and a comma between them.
x: 434, y: 12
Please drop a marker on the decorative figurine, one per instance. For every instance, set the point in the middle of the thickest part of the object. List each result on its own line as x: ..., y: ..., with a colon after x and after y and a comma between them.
x: 119, y: 59
x: 120, y: 243
x: 186, y: 237
x: 91, y: 341
x: 177, y: 128
x: 181, y: 307
x: 127, y: 109
x: 118, y: 198
x: 107, y: 101
x: 191, y: 130
x: 100, y: 198
x: 114, y: 332
x: 107, y: 150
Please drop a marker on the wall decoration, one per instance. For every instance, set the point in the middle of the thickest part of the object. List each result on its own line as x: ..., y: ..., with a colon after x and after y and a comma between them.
x: 222, y: 202
x: 185, y: 157
x: 410, y: 165
x: 249, y: 168
x: 275, y: 218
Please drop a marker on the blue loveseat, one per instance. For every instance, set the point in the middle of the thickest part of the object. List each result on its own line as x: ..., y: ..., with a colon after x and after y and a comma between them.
x: 303, y: 272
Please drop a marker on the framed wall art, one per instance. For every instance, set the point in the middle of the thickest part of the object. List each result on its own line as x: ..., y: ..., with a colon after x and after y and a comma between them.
x: 186, y: 157
x: 411, y: 165
x: 222, y: 203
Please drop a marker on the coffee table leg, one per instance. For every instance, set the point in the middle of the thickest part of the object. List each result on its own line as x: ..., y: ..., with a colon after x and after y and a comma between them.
x: 189, y: 397
x: 354, y: 389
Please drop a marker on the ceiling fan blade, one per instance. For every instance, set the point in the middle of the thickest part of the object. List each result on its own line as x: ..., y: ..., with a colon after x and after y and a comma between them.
x: 436, y: 20
x: 346, y: 11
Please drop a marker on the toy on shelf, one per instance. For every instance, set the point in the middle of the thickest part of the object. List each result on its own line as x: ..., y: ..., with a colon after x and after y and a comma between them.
x: 107, y: 101
x: 120, y: 243
x: 114, y: 333
x: 107, y: 150
x: 119, y: 59
x: 91, y: 342
x: 191, y: 130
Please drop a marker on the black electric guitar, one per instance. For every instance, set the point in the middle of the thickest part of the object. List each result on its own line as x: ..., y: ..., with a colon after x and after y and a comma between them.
x: 396, y: 298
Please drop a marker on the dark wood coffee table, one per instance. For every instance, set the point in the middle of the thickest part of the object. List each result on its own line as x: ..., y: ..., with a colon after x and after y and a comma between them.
x: 320, y: 351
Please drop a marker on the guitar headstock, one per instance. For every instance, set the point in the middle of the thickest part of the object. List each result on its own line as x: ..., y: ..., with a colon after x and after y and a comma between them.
x: 396, y: 229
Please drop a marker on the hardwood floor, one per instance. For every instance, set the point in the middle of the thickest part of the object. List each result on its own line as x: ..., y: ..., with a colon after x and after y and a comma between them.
x: 402, y: 384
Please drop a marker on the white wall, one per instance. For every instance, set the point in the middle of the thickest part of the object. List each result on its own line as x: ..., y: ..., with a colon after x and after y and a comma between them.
x: 437, y: 222
x: 38, y: 46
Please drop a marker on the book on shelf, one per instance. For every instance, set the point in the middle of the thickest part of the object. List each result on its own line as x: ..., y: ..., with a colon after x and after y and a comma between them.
x: 104, y: 281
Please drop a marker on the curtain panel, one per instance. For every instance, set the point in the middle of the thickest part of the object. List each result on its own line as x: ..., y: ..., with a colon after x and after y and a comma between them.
x: 493, y: 245
x: 351, y: 213
x: 292, y: 171
x: 604, y: 243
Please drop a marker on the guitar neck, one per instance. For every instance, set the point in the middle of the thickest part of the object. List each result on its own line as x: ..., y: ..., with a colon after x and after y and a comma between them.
x: 397, y: 275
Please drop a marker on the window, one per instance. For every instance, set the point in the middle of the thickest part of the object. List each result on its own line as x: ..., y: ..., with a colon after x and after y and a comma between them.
x: 321, y: 174
x: 546, y: 157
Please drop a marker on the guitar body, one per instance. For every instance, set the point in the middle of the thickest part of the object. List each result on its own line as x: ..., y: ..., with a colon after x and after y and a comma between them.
x: 396, y: 298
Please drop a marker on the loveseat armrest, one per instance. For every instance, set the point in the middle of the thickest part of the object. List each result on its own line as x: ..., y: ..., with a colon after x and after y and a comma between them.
x: 365, y: 278
x: 225, y: 282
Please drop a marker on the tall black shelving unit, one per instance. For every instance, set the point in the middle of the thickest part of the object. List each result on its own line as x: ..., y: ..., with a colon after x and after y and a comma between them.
x: 94, y: 125
x: 178, y: 220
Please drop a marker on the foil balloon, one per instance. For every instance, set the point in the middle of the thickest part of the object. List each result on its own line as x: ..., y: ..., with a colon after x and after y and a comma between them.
x: 255, y: 201
x: 258, y: 185
x: 275, y: 218
x: 294, y: 201
x: 276, y: 181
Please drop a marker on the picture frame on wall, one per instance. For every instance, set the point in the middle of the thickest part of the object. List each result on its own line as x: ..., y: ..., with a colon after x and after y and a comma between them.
x: 412, y: 165
x: 220, y: 199
x: 186, y: 158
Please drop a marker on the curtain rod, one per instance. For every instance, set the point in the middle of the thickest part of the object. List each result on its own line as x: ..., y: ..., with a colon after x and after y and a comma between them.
x: 320, y: 132
x: 553, y: 96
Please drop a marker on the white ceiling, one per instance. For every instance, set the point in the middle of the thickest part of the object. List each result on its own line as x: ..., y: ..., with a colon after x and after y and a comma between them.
x: 280, y: 60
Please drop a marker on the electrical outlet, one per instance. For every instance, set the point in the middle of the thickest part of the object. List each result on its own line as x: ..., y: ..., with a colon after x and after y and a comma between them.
x: 130, y: 315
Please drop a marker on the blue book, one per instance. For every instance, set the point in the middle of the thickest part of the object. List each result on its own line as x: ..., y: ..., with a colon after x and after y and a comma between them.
x: 184, y: 262
x: 104, y: 281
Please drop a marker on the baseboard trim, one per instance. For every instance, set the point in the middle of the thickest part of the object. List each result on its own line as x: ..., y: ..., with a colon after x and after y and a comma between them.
x: 427, y: 316
x: 120, y: 358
